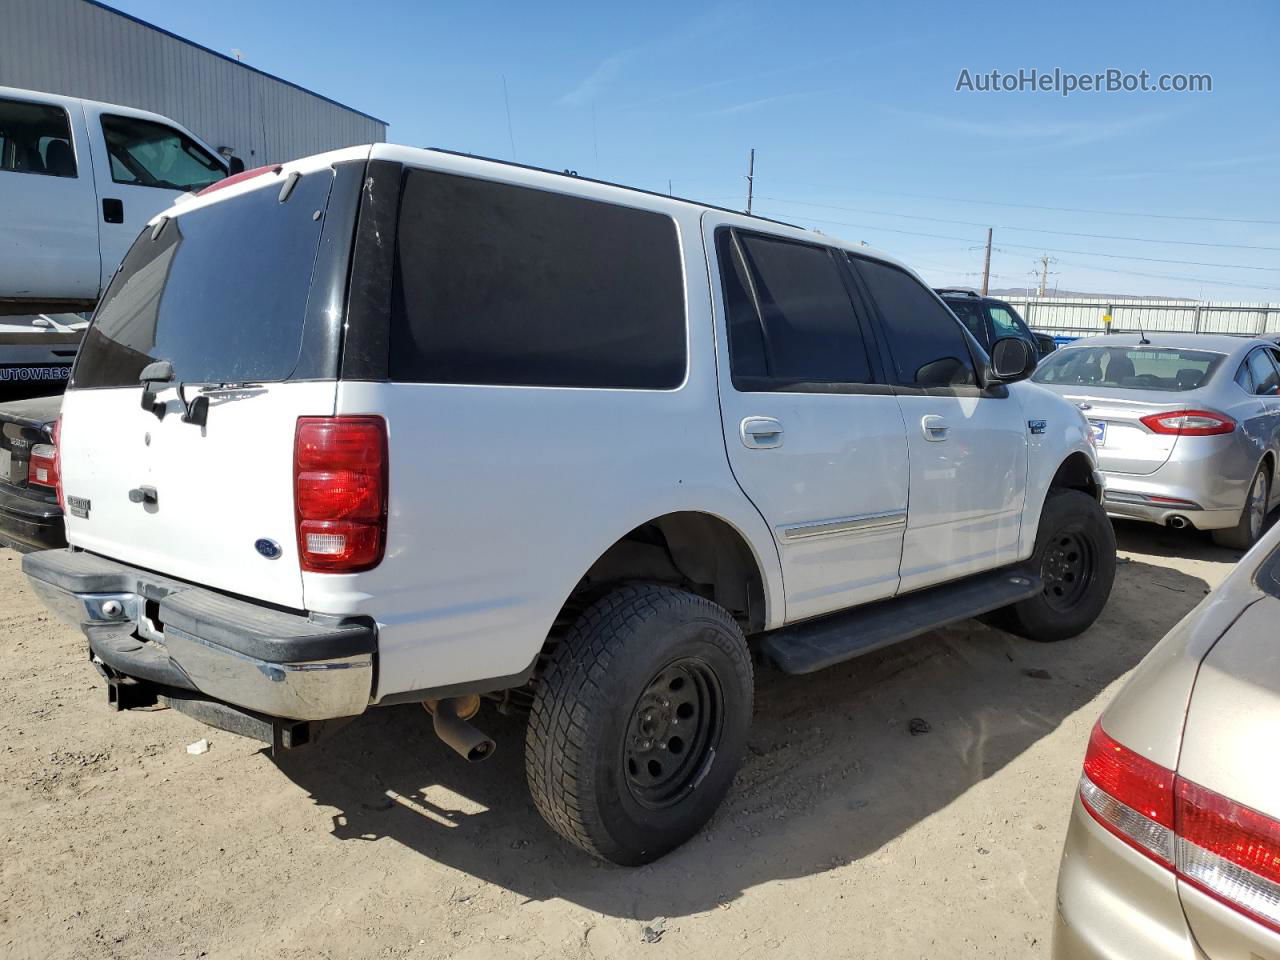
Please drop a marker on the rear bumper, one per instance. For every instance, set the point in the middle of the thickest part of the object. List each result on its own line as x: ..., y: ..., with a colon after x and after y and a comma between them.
x: 28, y: 524
x: 1134, y: 505
x: 1114, y: 903
x: 170, y: 633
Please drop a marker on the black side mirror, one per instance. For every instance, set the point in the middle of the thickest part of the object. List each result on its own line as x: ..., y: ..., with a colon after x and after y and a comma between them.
x: 234, y: 165
x: 1012, y: 359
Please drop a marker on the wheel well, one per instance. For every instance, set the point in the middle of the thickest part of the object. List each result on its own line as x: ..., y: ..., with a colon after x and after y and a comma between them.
x: 1270, y: 463
x: 1076, y: 473
x: 695, y: 551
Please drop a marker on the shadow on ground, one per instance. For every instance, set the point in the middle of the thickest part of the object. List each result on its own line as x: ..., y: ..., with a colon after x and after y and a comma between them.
x: 832, y: 773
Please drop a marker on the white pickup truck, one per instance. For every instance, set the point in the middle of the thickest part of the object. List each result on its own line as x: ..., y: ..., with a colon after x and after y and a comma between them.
x: 392, y: 425
x: 78, y: 180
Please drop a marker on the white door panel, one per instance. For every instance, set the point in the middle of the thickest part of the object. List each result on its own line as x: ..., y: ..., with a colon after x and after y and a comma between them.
x: 968, y: 477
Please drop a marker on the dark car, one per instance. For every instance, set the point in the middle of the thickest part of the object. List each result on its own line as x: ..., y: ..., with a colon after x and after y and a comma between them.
x: 36, y: 353
x: 989, y: 319
x: 30, y: 518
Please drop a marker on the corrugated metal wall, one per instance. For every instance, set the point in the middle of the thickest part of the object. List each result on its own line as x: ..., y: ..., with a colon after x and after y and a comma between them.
x: 1082, y: 316
x: 80, y: 49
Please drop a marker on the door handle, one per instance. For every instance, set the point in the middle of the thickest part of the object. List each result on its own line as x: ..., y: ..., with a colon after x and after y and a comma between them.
x: 112, y: 210
x: 935, y: 427
x: 761, y: 433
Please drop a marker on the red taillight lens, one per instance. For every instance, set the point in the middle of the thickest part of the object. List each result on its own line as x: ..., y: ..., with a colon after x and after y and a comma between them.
x: 340, y: 492
x: 44, y: 469
x: 239, y: 178
x: 1190, y: 423
x: 1129, y: 795
x: 1229, y: 851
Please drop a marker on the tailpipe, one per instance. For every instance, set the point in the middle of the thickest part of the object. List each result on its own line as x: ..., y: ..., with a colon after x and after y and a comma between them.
x: 451, y: 717
x: 1179, y: 522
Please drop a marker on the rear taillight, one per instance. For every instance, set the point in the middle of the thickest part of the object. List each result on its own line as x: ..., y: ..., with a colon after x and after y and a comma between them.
x: 1229, y: 851
x: 44, y: 469
x: 1190, y: 423
x: 340, y: 492
x: 239, y: 178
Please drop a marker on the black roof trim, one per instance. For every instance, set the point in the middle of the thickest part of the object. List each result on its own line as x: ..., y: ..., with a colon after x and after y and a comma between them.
x: 610, y: 183
x: 239, y: 63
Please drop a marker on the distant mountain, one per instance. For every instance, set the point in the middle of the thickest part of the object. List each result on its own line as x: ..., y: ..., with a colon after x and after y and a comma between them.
x: 1021, y: 292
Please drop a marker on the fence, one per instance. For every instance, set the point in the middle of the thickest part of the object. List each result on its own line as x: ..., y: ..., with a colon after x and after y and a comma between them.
x: 1082, y: 316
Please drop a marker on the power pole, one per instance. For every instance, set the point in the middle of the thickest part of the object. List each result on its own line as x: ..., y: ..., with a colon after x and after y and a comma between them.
x: 751, y: 176
x: 986, y: 264
x: 1044, y: 273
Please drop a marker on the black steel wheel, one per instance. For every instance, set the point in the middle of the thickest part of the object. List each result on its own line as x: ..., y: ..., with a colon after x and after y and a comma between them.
x: 1067, y: 569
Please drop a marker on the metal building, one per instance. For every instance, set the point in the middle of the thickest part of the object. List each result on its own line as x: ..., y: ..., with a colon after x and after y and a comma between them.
x: 82, y: 48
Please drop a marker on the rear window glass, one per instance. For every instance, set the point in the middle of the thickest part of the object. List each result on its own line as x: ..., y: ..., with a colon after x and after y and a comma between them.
x: 1130, y: 368
x: 35, y: 138
x: 221, y: 292
x: 506, y: 285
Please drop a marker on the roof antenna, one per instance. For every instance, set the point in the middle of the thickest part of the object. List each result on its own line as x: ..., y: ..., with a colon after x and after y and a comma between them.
x: 1142, y: 338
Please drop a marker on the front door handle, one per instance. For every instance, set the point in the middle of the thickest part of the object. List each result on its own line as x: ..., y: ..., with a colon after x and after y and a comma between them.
x: 761, y: 433
x: 112, y: 210
x: 935, y: 427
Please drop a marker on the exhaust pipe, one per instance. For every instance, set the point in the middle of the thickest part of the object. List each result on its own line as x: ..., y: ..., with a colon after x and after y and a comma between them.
x: 451, y: 721
x: 1179, y: 522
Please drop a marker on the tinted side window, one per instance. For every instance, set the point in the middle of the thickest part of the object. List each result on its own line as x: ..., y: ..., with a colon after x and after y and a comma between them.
x: 149, y: 154
x: 970, y: 314
x: 929, y: 349
x: 35, y: 138
x: 499, y: 284
x: 1265, y: 379
x: 789, y: 315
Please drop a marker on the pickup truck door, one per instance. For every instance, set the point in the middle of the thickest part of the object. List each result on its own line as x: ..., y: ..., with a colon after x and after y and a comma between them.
x: 968, y: 444
x: 49, y: 235
x: 141, y: 167
x: 814, y: 435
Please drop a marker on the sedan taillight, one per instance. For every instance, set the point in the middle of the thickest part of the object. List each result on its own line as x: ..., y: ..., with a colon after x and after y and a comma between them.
x: 340, y: 492
x: 1229, y: 851
x: 44, y: 469
x: 1190, y: 423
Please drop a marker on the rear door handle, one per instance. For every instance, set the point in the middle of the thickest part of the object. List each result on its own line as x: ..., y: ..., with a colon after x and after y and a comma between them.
x: 935, y: 427
x: 761, y: 433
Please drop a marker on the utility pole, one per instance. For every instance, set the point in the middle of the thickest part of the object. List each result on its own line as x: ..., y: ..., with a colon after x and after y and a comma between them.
x: 1044, y: 273
x: 986, y: 264
x: 751, y: 176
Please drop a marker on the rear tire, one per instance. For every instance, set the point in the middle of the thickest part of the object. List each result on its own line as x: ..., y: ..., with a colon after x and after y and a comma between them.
x: 639, y: 723
x: 1252, y: 518
x: 1075, y: 555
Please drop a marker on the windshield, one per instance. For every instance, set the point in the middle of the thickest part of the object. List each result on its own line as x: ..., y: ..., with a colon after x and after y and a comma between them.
x: 220, y: 292
x: 1129, y: 368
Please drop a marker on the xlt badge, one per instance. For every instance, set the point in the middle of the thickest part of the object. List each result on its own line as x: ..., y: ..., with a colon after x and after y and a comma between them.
x: 78, y: 507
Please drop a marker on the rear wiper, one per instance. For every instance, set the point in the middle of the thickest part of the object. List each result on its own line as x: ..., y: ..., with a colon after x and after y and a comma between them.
x: 161, y: 371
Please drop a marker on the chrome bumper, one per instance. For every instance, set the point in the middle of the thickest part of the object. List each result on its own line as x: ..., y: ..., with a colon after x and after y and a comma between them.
x: 260, y: 659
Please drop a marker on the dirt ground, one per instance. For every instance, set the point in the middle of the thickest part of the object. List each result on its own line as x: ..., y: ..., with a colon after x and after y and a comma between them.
x: 844, y: 836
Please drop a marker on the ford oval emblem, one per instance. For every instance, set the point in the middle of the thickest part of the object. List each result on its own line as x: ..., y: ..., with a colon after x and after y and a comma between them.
x: 268, y: 548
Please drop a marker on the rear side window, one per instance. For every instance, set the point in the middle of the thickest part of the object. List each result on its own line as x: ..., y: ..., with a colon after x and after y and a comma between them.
x: 789, y: 315
x: 506, y: 285
x: 221, y: 292
x: 149, y: 154
x: 35, y: 138
x: 928, y: 347
x: 1263, y: 372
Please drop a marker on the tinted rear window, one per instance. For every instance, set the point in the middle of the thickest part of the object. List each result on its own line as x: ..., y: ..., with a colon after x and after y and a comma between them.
x: 1129, y: 368
x: 221, y: 292
x: 506, y: 285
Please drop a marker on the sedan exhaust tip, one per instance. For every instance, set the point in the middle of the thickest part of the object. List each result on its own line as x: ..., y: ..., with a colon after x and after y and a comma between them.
x: 1179, y: 522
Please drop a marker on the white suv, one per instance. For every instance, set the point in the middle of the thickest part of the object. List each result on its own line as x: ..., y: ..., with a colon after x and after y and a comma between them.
x: 392, y: 425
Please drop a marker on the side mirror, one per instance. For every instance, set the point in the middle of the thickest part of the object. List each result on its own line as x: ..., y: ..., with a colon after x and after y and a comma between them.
x: 234, y: 165
x: 1011, y: 360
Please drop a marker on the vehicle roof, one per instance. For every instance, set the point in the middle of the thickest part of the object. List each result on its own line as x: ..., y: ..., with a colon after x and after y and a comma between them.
x: 1216, y: 342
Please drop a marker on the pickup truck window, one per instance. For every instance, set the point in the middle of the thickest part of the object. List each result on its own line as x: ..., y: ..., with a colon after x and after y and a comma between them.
x: 506, y: 285
x: 35, y: 138
x: 147, y: 154
x: 220, y: 309
x: 928, y: 347
x: 789, y: 315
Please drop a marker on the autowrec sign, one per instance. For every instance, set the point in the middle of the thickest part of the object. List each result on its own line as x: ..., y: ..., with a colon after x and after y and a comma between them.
x: 58, y: 372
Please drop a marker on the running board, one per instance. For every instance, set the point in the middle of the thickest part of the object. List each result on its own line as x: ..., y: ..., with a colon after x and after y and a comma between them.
x: 825, y: 641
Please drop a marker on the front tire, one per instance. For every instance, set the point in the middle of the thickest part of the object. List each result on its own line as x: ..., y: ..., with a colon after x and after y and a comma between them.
x: 639, y: 723
x: 1075, y: 555
x: 1252, y: 518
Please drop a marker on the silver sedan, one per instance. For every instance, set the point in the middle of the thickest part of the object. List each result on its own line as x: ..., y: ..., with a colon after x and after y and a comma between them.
x: 1187, y: 426
x: 1173, y: 852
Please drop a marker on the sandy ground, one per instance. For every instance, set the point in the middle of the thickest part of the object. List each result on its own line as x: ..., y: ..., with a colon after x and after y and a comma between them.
x: 845, y: 836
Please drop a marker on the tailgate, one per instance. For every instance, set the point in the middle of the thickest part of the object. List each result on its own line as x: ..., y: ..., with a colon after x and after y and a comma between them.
x: 235, y: 291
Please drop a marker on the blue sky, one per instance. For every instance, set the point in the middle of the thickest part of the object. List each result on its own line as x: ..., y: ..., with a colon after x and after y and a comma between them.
x: 853, y: 112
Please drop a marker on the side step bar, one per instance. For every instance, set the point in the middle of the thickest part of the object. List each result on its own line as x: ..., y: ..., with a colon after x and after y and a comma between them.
x: 825, y: 641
